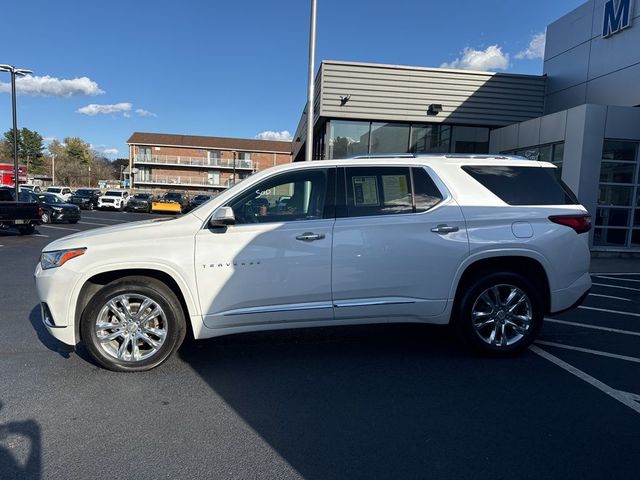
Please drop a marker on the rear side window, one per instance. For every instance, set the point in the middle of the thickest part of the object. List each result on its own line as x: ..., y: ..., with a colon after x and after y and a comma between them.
x: 523, y: 185
x: 389, y: 190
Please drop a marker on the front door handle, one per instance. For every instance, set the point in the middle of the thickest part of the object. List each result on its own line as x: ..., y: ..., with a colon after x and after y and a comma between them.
x: 310, y: 236
x: 444, y: 229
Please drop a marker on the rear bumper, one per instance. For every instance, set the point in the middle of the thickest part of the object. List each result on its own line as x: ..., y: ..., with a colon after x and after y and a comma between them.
x: 570, y: 297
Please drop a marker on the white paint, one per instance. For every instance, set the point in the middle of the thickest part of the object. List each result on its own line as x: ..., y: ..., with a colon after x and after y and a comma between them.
x: 612, y: 274
x: 616, y: 286
x: 92, y: 223
x: 104, y: 219
x: 622, y: 397
x: 609, y: 296
x: 59, y: 228
x: 588, y: 350
x: 620, y: 279
x: 618, y: 312
x: 40, y: 235
x: 594, y: 327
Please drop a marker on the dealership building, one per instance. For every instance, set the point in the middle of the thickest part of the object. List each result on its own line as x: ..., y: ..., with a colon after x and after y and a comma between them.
x: 582, y: 114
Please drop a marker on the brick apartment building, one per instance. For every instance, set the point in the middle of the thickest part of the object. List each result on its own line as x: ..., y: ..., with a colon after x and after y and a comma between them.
x: 195, y: 163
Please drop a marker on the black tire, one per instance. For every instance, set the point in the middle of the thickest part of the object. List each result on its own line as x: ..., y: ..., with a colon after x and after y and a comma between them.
x: 73, y: 221
x: 151, y: 288
x: 91, y: 206
x: 471, y: 292
x: 27, y: 230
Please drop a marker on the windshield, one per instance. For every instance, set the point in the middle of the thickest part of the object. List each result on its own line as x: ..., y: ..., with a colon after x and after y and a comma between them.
x: 202, y: 198
x: 84, y: 193
x: 173, y: 196
x: 54, y: 190
x: 49, y: 198
x: 113, y: 194
x: 142, y: 196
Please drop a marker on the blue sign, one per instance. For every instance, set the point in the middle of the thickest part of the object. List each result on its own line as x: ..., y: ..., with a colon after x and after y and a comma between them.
x: 617, y: 17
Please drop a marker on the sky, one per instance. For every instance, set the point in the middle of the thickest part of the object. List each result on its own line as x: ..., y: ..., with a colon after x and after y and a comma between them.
x: 102, y: 70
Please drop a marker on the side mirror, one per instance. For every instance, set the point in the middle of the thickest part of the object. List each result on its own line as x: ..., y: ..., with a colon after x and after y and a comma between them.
x: 222, y: 217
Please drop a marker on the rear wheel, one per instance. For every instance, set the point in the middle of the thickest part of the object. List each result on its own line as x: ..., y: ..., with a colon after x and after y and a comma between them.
x: 27, y: 229
x: 133, y: 324
x: 499, y: 313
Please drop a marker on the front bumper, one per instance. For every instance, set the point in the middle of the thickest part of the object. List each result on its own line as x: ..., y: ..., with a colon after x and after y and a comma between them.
x: 115, y: 206
x: 53, y: 287
x: 138, y: 208
x: 65, y: 216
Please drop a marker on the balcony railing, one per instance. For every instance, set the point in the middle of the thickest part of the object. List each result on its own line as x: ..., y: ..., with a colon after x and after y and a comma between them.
x: 181, y: 180
x: 193, y: 161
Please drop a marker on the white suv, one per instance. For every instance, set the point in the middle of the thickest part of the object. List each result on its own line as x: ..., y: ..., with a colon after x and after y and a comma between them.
x: 113, y: 199
x: 488, y: 244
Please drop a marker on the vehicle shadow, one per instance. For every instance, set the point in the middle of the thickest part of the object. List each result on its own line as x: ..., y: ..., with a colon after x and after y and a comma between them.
x: 12, y: 436
x: 35, y: 317
x: 382, y: 401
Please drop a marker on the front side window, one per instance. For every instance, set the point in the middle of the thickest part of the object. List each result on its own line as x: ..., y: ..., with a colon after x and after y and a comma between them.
x: 305, y: 191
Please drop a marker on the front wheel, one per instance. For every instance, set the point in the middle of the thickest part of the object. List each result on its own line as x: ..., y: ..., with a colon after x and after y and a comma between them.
x: 133, y: 324
x: 46, y: 217
x: 499, y: 313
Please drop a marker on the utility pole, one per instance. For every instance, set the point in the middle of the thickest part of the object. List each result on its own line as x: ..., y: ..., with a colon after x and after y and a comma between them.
x: 311, y: 85
x: 20, y: 72
x: 53, y: 169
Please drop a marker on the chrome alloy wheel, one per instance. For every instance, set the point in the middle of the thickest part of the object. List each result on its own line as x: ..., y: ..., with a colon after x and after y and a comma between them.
x: 502, y: 315
x: 131, y: 327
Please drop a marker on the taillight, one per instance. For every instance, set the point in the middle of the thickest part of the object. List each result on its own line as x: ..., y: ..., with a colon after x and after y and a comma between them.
x: 580, y: 223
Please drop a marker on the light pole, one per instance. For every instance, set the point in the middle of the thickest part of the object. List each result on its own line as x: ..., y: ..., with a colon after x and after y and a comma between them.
x: 20, y: 72
x: 311, y: 85
x: 53, y: 169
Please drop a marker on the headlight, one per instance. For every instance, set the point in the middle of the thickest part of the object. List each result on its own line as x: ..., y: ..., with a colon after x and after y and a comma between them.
x: 57, y: 209
x: 58, y: 258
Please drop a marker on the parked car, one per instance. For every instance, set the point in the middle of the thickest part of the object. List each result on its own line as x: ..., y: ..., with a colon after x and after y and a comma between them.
x: 54, y: 210
x: 31, y: 188
x: 140, y: 202
x: 63, y: 192
x: 199, y: 200
x: 170, y: 202
x: 114, y: 200
x: 22, y: 215
x: 487, y: 244
x: 85, y: 198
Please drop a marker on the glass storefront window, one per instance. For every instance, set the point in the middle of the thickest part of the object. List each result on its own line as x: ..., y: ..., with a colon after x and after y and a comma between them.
x: 430, y: 139
x: 616, y: 172
x: 619, y: 150
x: 635, y: 238
x: 615, y: 195
x: 470, y: 140
x: 347, y: 138
x: 613, y: 217
x: 610, y: 237
x: 389, y: 137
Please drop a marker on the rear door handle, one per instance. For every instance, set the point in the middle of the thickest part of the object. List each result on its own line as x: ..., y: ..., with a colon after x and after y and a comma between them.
x: 444, y: 229
x: 310, y: 236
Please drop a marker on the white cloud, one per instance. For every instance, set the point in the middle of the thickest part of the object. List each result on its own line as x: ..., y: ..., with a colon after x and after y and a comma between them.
x: 110, y: 151
x: 53, y: 87
x: 49, y: 139
x: 105, y: 109
x: 283, y: 136
x: 126, y: 115
x: 492, y: 58
x: 535, y: 49
x: 144, y: 113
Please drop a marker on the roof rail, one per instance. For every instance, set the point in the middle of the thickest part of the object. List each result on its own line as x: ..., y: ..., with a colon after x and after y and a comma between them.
x: 384, y: 155
x: 479, y: 156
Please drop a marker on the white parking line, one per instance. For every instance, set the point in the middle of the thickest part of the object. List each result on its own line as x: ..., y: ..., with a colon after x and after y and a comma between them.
x: 619, y: 312
x: 622, y: 397
x: 104, y: 219
x: 594, y: 327
x: 40, y: 235
x: 588, y: 350
x: 621, y: 279
x: 616, y: 286
x: 605, y: 296
x: 602, y: 273
x: 60, y: 228
x: 101, y: 224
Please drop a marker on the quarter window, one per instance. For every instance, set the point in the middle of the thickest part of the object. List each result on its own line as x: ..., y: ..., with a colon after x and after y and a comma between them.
x: 289, y: 197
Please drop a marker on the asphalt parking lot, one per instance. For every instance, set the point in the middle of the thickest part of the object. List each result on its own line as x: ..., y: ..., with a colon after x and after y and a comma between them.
x: 398, y: 401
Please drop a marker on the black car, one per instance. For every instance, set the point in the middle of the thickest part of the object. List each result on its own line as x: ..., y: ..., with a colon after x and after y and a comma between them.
x: 199, y: 200
x: 53, y: 208
x: 86, y: 198
x: 140, y: 202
